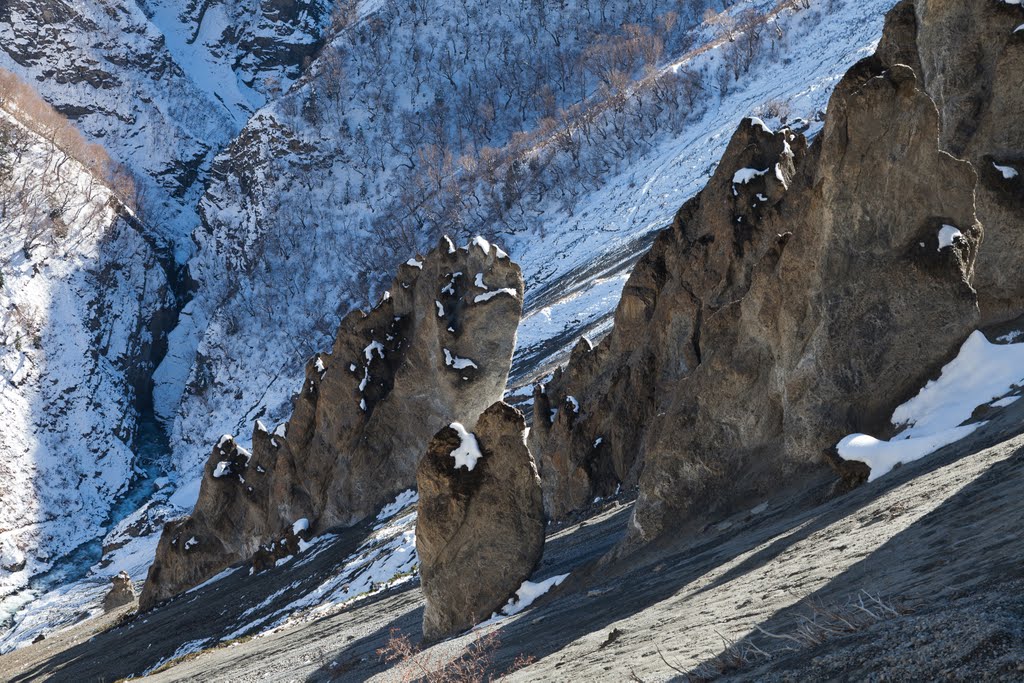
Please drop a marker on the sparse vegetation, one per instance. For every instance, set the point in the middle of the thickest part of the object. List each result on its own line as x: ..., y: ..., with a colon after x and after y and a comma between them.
x: 65, y: 142
x: 819, y: 624
x: 411, y: 663
x: 43, y: 206
x: 428, y: 118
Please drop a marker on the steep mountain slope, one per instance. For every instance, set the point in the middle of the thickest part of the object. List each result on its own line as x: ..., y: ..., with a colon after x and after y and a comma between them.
x: 163, y: 88
x: 235, y: 353
x: 84, y: 305
x: 161, y: 92
x: 262, y: 305
x: 937, y: 541
x: 283, y: 256
x: 239, y: 54
x: 800, y: 296
x: 106, y: 67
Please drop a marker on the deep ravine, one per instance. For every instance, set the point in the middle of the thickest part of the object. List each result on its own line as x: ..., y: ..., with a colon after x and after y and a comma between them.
x: 152, y: 455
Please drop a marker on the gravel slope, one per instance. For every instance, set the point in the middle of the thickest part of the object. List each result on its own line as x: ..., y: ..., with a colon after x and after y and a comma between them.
x: 939, y: 538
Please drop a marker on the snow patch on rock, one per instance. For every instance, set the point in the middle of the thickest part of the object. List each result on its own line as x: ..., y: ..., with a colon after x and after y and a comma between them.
x: 982, y: 373
x: 453, y: 361
x: 1009, y: 173
x: 468, y: 452
x: 487, y: 296
x: 948, y: 235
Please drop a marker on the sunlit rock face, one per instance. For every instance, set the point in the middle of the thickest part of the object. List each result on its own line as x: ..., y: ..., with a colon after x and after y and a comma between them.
x: 801, y: 296
x: 435, y: 350
x: 480, y: 522
x: 969, y: 56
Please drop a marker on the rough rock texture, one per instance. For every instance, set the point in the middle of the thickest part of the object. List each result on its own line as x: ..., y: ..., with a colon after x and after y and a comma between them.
x: 798, y: 298
x: 266, y: 41
x: 970, y: 57
x: 479, y: 531
x: 121, y: 592
x: 436, y: 349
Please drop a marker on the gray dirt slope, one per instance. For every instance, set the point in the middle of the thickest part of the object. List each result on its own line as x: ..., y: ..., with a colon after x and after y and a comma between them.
x: 939, y: 540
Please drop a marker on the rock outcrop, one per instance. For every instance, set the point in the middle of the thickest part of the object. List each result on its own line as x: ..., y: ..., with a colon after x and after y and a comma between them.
x: 122, y: 592
x: 436, y: 349
x: 970, y: 59
x: 801, y: 296
x: 480, y: 523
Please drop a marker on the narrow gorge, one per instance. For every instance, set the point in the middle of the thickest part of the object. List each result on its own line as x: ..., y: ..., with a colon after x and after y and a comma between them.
x: 386, y: 340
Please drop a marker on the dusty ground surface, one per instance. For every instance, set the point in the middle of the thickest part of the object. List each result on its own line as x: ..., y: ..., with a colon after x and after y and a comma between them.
x: 939, y: 540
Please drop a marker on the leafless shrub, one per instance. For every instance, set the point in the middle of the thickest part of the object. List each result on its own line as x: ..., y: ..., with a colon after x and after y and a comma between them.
x: 775, y: 109
x: 822, y: 623
x: 412, y: 663
x: 30, y: 320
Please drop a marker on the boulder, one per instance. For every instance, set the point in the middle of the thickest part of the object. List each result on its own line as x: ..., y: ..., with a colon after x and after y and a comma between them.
x: 122, y: 592
x: 480, y: 522
x: 800, y: 297
x: 437, y: 349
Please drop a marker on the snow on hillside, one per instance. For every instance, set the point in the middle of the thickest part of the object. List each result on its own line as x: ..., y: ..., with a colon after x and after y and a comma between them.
x: 982, y: 374
x: 292, y: 242
x: 165, y: 93
x: 237, y: 53
x: 105, y: 66
x: 303, y: 213
x: 81, y: 292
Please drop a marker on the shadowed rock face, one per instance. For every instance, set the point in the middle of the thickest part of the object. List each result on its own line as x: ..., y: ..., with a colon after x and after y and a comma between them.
x: 592, y: 418
x: 435, y: 350
x: 970, y: 59
x: 479, y: 531
x: 801, y: 296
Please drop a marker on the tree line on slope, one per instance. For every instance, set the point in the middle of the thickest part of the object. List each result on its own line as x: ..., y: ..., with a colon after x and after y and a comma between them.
x: 427, y: 119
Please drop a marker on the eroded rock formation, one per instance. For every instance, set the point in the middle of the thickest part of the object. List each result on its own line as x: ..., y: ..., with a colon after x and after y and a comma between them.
x: 122, y: 592
x: 970, y: 59
x: 437, y: 349
x: 480, y: 523
x: 804, y: 293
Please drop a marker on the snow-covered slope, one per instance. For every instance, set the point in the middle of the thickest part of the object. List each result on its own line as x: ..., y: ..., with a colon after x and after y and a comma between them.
x: 162, y: 87
x: 239, y: 53
x: 375, y: 151
x: 83, y: 295
x: 105, y: 66
x: 306, y: 210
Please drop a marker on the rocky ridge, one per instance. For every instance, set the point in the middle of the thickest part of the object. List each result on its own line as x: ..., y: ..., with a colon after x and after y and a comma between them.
x: 435, y: 350
x: 800, y: 297
x: 978, y: 88
x: 823, y: 215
